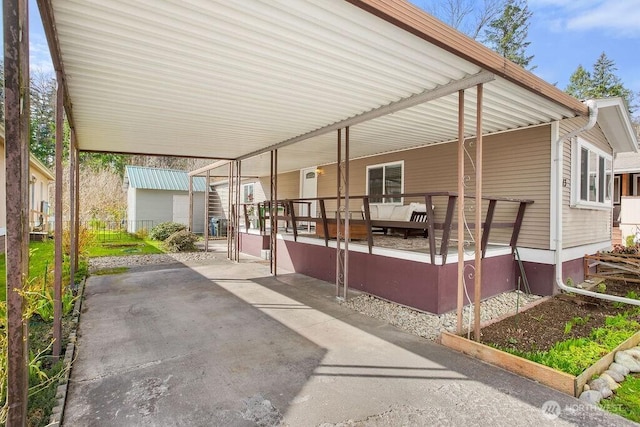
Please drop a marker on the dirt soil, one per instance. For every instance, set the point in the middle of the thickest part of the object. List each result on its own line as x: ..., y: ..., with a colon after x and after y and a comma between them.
x: 540, y: 327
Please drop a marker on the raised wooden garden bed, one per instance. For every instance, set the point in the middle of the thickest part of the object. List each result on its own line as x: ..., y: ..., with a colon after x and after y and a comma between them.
x: 561, y: 381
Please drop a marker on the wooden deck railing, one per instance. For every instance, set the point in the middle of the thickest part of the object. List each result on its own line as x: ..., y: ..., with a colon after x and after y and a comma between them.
x: 287, y: 213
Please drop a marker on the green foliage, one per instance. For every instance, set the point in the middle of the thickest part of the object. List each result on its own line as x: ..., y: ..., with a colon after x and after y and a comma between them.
x: 602, y: 287
x: 181, y: 241
x: 104, y: 161
x: 108, y: 271
x: 576, y: 321
x: 119, y: 244
x: 576, y: 354
x: 165, y: 229
x: 626, y: 400
x: 629, y: 240
x: 601, y: 82
x: 508, y: 33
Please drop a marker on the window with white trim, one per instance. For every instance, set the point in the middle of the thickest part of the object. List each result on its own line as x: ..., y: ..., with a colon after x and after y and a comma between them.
x: 247, y: 193
x: 385, y: 179
x: 592, y: 176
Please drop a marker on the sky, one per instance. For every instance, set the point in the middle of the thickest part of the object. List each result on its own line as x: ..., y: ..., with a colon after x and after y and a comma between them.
x: 563, y: 35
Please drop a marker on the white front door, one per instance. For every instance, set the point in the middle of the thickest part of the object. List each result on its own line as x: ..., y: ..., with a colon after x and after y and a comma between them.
x: 181, y: 209
x: 308, y: 190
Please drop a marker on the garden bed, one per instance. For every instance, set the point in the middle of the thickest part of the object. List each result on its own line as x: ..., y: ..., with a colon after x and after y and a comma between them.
x: 570, y: 333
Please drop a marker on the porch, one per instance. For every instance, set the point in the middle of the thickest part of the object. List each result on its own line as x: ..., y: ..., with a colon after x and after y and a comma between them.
x: 417, y: 271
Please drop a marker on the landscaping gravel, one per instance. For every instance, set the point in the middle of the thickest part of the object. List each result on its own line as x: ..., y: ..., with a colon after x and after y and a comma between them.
x: 430, y: 326
x: 99, y: 263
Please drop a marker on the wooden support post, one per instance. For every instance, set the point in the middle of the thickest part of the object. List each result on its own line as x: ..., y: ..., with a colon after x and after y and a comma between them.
x: 206, y: 210
x: 17, y: 107
x: 237, y: 219
x: 325, y: 224
x: 274, y: 209
x: 76, y: 231
x: 446, y: 232
x: 58, y: 235
x: 294, y: 222
x: 431, y: 220
x: 347, y: 228
x: 517, y: 225
x: 478, y: 216
x: 190, y: 221
x: 367, y: 221
x: 487, y: 226
x: 460, y: 200
x: 229, y: 209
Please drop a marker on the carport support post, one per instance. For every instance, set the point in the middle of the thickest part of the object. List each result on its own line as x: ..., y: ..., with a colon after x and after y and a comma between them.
x: 17, y: 107
x: 57, y: 268
x: 191, y: 204
x: 72, y: 213
x: 460, y: 209
x: 273, y: 214
x: 229, y: 204
x: 342, y: 256
x: 206, y: 211
x: 76, y: 230
x: 478, y: 219
x: 236, y: 233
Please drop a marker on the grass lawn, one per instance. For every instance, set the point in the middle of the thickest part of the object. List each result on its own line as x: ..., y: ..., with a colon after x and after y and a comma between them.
x: 119, y: 244
x: 41, y: 258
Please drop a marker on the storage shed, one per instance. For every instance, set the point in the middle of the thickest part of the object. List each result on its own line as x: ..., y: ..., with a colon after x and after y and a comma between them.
x: 158, y: 195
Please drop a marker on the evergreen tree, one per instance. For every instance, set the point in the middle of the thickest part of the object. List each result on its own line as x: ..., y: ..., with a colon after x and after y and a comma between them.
x: 601, y: 82
x: 580, y: 83
x: 508, y: 33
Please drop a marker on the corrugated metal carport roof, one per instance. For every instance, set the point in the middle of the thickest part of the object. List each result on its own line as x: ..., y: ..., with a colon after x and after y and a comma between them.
x: 223, y: 79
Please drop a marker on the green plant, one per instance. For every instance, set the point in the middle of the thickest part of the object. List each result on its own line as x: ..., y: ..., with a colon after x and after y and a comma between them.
x: 181, y: 241
x: 163, y: 230
x: 602, y: 287
x: 570, y: 282
x: 626, y: 399
x: 141, y: 234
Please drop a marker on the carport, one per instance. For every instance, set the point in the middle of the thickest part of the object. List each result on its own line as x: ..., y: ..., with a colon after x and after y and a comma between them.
x: 264, y: 85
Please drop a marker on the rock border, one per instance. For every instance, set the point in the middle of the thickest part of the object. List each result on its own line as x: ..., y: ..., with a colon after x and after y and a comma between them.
x: 625, y: 362
x: 57, y: 413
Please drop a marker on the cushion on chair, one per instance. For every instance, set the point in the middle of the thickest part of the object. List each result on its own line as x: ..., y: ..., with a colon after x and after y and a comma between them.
x: 400, y: 213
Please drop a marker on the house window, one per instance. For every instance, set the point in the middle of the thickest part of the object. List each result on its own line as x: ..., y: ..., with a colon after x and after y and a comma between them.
x: 592, y: 176
x: 385, y: 179
x: 247, y: 193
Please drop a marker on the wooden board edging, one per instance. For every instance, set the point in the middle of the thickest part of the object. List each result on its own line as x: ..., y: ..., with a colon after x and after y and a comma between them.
x: 603, y: 364
x: 523, y: 367
x: 550, y: 377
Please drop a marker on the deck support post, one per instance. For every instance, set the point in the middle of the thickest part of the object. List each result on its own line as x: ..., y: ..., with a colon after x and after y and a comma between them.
x: 460, y: 304
x: 17, y: 107
x: 273, y: 214
x: 206, y: 210
x: 190, y: 221
x: 58, y: 256
x: 342, y: 213
x: 478, y: 216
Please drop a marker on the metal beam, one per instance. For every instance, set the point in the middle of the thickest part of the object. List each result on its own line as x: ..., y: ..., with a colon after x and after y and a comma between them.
x: 210, y: 167
x: 17, y: 107
x: 412, y: 101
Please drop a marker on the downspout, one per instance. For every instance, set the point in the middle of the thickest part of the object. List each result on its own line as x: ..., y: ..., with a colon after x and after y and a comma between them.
x: 593, y: 117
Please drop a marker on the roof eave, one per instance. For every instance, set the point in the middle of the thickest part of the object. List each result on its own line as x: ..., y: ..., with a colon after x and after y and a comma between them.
x: 615, y: 122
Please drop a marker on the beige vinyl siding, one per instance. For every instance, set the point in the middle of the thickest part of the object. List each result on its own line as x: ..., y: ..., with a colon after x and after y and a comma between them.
x: 516, y: 165
x: 582, y: 226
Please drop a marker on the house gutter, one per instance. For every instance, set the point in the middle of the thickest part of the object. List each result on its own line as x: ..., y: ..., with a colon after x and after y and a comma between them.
x: 593, y: 117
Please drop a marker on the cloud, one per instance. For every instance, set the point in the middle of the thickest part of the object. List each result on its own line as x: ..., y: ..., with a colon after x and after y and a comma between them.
x: 39, y: 56
x: 620, y: 19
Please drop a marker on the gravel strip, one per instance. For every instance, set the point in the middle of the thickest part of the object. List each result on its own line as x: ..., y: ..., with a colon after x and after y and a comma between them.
x: 430, y: 326
x: 99, y: 263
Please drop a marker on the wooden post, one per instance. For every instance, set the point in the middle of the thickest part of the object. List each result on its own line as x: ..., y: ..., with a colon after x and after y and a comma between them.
x: 478, y: 217
x: 206, y: 211
x: 347, y: 231
x: 17, y: 107
x: 460, y: 304
x: 58, y: 256
x: 76, y: 231
x: 190, y: 221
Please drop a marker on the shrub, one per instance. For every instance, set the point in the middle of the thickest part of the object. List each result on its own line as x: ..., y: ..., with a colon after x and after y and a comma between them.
x: 181, y: 241
x: 165, y: 229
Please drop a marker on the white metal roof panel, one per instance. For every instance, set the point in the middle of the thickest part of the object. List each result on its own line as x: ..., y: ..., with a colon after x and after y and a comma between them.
x: 221, y: 79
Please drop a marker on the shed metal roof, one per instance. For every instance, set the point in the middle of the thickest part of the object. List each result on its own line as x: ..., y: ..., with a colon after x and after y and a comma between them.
x: 222, y: 79
x: 146, y: 178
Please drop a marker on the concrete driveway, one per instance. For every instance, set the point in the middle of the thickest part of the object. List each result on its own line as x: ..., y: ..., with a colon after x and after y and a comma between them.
x: 219, y: 343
